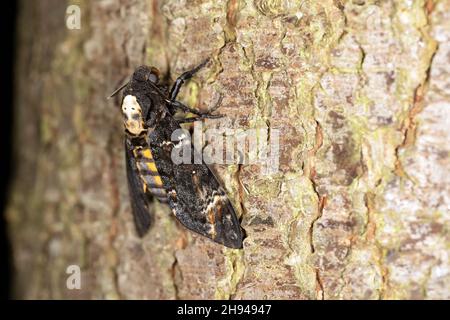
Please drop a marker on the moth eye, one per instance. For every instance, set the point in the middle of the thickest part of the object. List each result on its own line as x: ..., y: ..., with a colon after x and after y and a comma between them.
x: 153, y: 77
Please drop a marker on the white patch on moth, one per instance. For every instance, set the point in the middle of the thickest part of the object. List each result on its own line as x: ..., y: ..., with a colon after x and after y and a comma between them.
x: 181, y: 140
x: 228, y: 220
x: 212, y: 204
x: 193, y: 172
x: 166, y: 143
x: 212, y: 230
x: 133, y: 115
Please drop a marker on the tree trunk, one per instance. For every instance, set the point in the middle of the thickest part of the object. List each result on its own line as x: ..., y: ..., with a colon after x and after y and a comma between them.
x: 359, y: 91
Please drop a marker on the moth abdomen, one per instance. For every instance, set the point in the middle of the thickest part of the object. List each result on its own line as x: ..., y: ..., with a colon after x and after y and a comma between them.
x: 149, y: 173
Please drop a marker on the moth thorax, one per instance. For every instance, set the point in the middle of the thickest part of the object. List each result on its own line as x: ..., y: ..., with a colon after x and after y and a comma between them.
x: 132, y: 113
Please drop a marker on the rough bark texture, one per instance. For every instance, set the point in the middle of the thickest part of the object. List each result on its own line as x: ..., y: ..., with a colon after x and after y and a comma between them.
x: 359, y: 208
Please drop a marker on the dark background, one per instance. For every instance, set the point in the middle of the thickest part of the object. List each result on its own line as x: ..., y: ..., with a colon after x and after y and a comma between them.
x: 7, y: 22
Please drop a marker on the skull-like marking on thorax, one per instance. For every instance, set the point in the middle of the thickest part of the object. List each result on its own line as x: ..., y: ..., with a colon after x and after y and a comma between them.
x: 133, y: 118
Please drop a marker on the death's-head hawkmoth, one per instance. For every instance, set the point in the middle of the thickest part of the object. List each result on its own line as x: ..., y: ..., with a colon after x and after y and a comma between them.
x: 192, y: 191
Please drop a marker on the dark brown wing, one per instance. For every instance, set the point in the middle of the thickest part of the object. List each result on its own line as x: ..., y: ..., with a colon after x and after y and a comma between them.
x: 194, y: 194
x: 138, y: 198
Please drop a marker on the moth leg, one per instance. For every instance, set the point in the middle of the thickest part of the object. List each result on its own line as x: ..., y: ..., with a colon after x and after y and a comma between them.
x: 185, y: 108
x: 181, y: 79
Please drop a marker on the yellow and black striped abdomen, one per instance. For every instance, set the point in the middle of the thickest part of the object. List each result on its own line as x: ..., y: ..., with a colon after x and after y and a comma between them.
x: 149, y: 174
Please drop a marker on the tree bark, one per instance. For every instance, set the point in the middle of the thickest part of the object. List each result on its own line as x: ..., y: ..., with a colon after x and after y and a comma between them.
x: 359, y: 90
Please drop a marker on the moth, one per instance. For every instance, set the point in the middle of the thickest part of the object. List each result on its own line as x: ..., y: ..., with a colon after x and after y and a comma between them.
x: 192, y: 191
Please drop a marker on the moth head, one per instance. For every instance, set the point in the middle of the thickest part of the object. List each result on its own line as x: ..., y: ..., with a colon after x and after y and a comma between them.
x: 144, y: 73
x: 133, y: 118
x: 141, y: 75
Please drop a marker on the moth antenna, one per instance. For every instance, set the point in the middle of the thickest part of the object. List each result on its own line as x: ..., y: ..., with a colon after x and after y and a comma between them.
x: 117, y: 90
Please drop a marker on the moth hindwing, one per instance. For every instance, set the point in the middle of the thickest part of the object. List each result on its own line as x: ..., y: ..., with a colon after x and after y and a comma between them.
x: 191, y: 190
